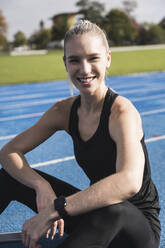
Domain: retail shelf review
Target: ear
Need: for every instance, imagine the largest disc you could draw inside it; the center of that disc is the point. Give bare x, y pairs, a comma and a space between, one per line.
108, 59
64, 59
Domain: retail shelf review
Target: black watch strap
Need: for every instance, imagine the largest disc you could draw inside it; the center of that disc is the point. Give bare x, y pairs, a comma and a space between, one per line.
59, 206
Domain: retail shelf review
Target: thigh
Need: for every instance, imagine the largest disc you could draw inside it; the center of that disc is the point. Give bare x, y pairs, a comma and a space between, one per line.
11, 189
136, 230
115, 226
4, 192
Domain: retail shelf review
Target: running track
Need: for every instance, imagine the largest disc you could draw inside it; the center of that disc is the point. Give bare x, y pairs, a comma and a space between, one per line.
22, 105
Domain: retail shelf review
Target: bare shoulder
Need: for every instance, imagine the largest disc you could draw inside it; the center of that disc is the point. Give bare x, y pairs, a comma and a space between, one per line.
55, 118
58, 115
122, 106
125, 118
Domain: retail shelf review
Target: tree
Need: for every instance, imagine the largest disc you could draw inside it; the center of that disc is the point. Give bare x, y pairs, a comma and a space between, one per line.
61, 24
129, 6
3, 41
42, 25
3, 24
162, 23
91, 10
142, 38
120, 29
156, 34
151, 34
19, 39
3, 31
40, 39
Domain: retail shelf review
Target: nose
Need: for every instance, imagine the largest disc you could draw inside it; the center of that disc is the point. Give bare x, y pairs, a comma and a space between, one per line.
85, 67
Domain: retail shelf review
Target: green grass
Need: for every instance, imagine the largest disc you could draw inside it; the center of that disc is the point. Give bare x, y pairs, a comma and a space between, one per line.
137, 61
38, 68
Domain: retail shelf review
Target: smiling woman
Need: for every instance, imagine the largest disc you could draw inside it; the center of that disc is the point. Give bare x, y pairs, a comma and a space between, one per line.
109, 145
85, 62
86, 57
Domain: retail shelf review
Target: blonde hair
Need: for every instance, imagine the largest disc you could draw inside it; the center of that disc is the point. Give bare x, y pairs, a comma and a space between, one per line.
82, 27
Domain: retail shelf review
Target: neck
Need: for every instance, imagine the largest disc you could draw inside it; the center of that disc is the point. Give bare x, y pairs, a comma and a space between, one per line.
93, 102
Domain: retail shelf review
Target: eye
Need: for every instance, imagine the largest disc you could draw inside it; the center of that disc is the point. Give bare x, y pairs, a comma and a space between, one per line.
73, 61
95, 58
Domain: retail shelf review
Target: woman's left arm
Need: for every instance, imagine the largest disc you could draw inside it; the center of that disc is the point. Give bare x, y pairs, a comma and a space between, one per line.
125, 129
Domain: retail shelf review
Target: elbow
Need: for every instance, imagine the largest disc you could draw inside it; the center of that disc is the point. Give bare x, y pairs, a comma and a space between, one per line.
1, 157
134, 185
3, 154
135, 188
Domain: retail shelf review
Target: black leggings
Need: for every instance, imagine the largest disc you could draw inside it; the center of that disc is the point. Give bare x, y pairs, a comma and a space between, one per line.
115, 226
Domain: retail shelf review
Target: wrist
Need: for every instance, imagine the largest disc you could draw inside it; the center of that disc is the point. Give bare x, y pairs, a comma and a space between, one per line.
60, 206
54, 215
41, 185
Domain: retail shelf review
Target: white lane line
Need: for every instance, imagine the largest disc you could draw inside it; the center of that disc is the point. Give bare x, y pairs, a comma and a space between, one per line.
33, 115
31, 96
138, 99
152, 139
33, 103
17, 117
155, 139
41, 102
141, 90
37, 95
53, 161
59, 160
6, 92
122, 85
53, 100
7, 137
30, 91
152, 112
73, 157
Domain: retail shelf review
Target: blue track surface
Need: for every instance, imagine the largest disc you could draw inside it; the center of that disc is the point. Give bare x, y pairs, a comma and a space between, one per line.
22, 105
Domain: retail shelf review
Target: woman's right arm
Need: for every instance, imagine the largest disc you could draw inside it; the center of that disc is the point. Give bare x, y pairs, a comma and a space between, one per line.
14, 162
12, 154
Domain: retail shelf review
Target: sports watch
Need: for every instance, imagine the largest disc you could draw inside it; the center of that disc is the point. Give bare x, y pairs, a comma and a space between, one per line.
59, 206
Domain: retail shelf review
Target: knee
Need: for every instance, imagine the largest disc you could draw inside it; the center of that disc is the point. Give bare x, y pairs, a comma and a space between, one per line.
108, 215
114, 211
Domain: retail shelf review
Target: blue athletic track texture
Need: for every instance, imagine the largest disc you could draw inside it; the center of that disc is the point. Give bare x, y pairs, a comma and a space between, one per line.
22, 105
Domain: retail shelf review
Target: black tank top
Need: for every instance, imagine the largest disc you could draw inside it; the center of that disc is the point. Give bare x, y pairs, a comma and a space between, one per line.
97, 157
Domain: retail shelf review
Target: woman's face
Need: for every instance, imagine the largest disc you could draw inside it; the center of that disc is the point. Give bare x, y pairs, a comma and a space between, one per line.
86, 60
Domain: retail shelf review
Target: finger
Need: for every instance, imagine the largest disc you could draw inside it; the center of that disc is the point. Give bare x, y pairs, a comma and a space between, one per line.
23, 237
23, 234
26, 240
38, 246
48, 233
32, 244
53, 230
61, 227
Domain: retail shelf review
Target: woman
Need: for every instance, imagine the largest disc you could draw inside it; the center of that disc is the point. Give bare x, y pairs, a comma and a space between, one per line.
120, 208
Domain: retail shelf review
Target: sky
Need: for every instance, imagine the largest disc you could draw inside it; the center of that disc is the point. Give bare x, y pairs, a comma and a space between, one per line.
25, 15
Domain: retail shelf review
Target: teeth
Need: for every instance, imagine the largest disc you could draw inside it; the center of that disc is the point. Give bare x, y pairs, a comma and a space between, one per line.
88, 79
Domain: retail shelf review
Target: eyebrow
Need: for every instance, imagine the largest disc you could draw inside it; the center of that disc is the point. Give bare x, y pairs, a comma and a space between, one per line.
76, 56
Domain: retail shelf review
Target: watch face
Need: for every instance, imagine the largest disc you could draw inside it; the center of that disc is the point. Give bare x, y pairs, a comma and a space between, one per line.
59, 206
60, 203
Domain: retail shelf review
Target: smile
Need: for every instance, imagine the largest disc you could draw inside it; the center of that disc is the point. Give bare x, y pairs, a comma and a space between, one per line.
86, 79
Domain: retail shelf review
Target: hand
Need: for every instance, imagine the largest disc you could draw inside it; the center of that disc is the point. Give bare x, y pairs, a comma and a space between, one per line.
52, 231
38, 225
46, 196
